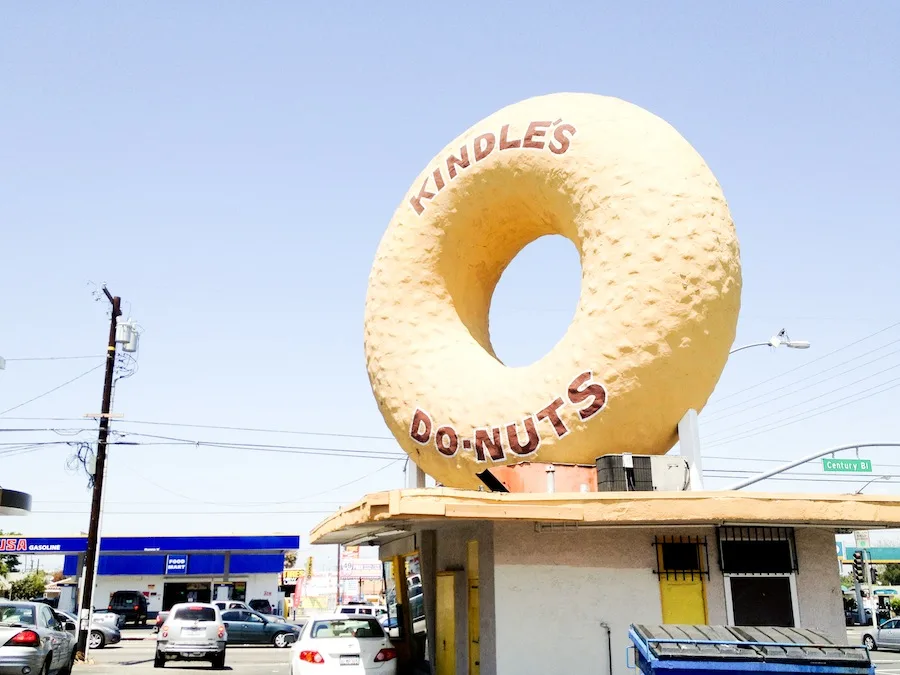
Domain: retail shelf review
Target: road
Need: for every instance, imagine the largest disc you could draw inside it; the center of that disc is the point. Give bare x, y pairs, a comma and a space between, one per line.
886, 663
135, 657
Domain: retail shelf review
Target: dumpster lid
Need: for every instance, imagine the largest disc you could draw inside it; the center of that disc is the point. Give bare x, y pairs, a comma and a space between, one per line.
747, 643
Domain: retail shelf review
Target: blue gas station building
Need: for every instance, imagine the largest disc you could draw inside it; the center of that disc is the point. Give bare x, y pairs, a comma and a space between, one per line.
167, 570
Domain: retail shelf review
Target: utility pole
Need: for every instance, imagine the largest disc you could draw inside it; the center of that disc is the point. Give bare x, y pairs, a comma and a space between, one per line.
93, 541
337, 597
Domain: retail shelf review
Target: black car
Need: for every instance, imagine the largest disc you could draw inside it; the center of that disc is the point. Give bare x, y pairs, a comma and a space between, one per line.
851, 617
130, 604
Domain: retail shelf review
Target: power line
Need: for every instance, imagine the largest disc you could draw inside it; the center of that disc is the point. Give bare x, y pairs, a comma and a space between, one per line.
217, 427
261, 430
767, 459
814, 398
809, 363
57, 358
56, 388
186, 513
850, 478
262, 447
716, 416
822, 410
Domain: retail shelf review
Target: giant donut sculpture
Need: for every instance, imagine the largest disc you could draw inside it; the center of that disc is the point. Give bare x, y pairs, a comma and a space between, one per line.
660, 290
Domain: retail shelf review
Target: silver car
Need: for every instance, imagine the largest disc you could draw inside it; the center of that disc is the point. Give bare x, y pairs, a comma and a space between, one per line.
101, 634
193, 631
34, 641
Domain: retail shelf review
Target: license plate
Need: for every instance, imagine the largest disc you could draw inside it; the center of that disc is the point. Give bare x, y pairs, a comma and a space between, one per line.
349, 661
192, 631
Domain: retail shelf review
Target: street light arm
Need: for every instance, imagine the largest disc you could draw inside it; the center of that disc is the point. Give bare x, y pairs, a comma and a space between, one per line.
755, 344
808, 458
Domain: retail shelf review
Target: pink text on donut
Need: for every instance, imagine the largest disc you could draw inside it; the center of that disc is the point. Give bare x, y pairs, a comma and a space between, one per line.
519, 438
533, 138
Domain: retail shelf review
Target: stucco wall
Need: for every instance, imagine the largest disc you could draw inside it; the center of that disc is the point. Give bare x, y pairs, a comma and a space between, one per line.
819, 584
570, 582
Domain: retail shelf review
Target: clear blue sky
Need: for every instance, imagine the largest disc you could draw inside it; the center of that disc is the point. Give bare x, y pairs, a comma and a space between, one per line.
229, 168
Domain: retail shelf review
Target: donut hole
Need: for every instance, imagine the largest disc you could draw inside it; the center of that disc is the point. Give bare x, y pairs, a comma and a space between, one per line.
535, 300
494, 215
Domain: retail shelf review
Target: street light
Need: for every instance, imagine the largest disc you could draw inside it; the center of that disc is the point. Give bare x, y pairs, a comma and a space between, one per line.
780, 340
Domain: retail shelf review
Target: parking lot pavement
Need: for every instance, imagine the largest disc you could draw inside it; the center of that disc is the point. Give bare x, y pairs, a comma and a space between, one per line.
135, 657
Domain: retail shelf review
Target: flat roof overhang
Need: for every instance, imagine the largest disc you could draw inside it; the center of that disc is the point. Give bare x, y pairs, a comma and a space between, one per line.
383, 516
14, 503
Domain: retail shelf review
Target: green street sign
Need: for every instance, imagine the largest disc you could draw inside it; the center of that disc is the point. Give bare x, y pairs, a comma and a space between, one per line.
849, 465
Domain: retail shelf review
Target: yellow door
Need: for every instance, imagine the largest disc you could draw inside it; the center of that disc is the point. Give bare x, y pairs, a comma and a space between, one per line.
445, 626
683, 600
474, 618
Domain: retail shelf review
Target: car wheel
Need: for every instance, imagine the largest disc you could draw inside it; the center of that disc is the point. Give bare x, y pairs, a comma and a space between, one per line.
96, 640
280, 640
869, 642
159, 661
218, 662
45, 669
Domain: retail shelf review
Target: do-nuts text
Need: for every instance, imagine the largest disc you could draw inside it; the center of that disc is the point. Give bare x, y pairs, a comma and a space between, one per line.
520, 438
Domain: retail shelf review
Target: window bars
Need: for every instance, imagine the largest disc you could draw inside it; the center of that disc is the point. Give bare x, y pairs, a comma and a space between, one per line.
681, 556
757, 550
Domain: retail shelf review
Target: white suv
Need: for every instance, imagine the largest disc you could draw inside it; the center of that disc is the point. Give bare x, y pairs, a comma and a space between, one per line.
192, 632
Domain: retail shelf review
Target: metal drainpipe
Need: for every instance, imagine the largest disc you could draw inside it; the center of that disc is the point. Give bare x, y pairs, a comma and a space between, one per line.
605, 625
551, 479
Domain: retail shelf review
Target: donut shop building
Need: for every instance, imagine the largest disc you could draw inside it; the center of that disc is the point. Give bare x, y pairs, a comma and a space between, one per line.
534, 583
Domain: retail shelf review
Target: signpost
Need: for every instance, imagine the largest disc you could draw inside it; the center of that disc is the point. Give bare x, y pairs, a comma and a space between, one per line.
847, 465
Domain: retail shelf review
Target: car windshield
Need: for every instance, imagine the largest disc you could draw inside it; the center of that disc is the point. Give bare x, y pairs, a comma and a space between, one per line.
195, 614
343, 628
15, 613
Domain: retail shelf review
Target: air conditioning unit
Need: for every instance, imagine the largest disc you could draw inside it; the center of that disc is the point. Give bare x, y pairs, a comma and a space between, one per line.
642, 473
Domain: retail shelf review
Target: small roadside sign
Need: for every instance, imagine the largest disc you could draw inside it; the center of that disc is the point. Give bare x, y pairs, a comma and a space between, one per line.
862, 538
848, 465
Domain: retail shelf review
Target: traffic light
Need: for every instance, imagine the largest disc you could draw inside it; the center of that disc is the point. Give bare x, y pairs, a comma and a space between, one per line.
858, 569
873, 574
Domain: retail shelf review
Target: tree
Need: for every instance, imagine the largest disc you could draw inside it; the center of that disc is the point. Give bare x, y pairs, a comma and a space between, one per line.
9, 563
29, 586
895, 606
890, 576
290, 559
58, 576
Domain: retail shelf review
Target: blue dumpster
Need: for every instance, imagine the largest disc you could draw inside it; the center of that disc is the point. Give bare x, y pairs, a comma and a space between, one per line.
734, 650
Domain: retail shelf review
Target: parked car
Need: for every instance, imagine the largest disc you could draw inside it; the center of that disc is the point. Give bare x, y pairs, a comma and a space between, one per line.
34, 640
340, 643
886, 636
160, 620
262, 606
360, 608
130, 604
249, 627
101, 634
851, 617
225, 605
192, 632
105, 616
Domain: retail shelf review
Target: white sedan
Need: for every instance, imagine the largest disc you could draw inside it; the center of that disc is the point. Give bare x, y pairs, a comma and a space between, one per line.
345, 644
